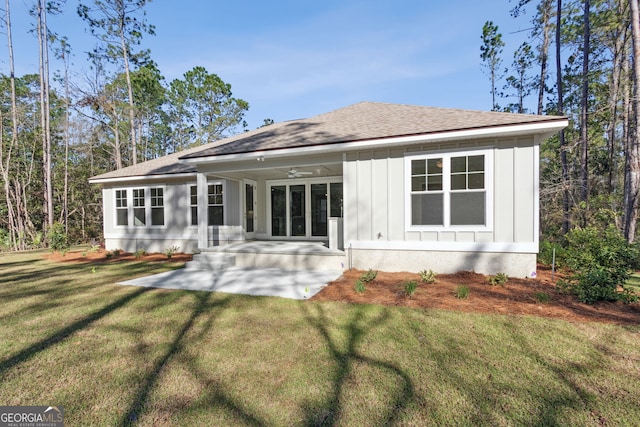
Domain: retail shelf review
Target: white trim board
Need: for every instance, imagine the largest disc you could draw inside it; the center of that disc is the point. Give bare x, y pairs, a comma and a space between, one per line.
530, 247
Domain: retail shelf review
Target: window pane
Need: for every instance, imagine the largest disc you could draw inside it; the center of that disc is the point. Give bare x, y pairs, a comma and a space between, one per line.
216, 215
122, 217
427, 209
435, 183
468, 208
459, 182
138, 216
418, 183
434, 166
476, 181
193, 191
458, 164
157, 216
417, 167
319, 209
279, 210
297, 210
476, 163
336, 199
138, 197
194, 215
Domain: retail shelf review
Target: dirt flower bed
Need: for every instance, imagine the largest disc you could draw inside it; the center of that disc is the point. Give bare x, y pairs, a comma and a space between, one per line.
537, 297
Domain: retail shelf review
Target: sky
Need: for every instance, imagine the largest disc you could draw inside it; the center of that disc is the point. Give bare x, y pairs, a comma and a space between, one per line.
296, 59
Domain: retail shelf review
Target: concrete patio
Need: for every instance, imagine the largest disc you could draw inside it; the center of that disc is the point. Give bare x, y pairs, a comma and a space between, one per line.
277, 282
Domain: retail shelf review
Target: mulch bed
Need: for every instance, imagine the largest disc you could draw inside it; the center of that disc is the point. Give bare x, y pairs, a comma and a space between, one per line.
517, 296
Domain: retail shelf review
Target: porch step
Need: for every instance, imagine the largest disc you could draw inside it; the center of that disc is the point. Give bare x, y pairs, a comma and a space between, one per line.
211, 261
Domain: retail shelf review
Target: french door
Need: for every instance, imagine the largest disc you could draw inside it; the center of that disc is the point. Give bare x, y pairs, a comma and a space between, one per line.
250, 201
301, 208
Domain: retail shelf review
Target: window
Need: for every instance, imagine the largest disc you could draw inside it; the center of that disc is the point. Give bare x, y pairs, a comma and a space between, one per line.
122, 212
193, 202
139, 214
215, 204
448, 190
157, 206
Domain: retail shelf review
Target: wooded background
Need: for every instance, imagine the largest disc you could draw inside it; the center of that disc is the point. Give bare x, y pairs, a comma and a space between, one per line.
58, 128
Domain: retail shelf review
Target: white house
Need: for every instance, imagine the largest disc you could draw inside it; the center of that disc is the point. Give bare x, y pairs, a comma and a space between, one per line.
385, 186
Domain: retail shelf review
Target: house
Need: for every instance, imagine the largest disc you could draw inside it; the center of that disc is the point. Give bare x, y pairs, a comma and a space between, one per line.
384, 186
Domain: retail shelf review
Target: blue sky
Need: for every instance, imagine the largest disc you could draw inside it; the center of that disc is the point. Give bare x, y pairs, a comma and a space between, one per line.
295, 59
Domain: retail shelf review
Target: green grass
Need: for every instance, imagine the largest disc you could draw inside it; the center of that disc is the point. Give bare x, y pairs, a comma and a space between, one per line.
114, 355
634, 283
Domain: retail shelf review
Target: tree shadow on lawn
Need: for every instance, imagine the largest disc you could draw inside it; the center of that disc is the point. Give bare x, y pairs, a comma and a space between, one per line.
64, 333
329, 411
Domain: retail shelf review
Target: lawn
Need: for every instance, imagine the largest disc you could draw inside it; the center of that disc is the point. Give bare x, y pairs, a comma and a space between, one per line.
114, 355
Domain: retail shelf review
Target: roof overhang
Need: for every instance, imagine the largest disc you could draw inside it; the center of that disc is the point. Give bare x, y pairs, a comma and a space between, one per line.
542, 129
139, 178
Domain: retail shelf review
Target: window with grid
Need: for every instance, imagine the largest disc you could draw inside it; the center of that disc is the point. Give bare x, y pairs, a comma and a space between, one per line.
193, 203
157, 206
215, 204
139, 213
122, 211
447, 190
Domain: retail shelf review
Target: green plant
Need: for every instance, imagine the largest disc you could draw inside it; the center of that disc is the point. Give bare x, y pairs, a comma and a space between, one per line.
110, 255
498, 280
410, 288
359, 286
600, 261
94, 248
462, 292
542, 297
84, 254
369, 276
117, 252
58, 237
428, 276
170, 251
139, 253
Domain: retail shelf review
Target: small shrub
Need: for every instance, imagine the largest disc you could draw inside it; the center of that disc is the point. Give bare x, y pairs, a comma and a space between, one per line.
627, 296
84, 254
139, 253
428, 276
170, 251
94, 248
117, 252
57, 237
369, 276
498, 280
462, 292
110, 255
410, 288
360, 287
542, 297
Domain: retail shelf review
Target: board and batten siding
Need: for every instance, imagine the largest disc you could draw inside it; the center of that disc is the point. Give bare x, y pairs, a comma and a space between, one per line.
376, 197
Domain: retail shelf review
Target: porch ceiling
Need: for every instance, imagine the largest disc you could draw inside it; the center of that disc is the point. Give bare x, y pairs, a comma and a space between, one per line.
303, 172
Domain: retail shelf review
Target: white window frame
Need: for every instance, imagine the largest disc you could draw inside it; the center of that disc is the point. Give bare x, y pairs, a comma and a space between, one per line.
125, 208
147, 206
446, 189
191, 206
224, 203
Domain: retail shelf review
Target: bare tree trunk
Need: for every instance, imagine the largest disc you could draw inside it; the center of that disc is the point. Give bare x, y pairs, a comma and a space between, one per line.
584, 129
544, 50
5, 157
633, 155
614, 97
127, 73
44, 110
65, 58
563, 153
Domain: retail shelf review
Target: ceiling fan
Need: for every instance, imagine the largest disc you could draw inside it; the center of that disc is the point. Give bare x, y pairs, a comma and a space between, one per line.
294, 173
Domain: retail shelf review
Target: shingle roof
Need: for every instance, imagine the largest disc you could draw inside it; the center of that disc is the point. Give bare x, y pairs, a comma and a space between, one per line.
363, 121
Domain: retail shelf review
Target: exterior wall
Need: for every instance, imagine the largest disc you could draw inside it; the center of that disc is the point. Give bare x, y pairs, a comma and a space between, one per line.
375, 220
177, 229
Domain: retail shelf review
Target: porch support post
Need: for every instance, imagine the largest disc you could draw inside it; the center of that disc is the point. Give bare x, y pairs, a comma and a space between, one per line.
203, 238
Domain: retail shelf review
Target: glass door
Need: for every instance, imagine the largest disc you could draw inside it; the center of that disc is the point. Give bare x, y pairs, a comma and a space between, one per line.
298, 210
318, 209
279, 210
249, 208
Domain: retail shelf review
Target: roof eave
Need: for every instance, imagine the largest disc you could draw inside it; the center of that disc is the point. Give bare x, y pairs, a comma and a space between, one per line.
546, 129
136, 178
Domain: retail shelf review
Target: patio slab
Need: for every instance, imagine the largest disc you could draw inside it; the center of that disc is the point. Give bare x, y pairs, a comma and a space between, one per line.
276, 282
